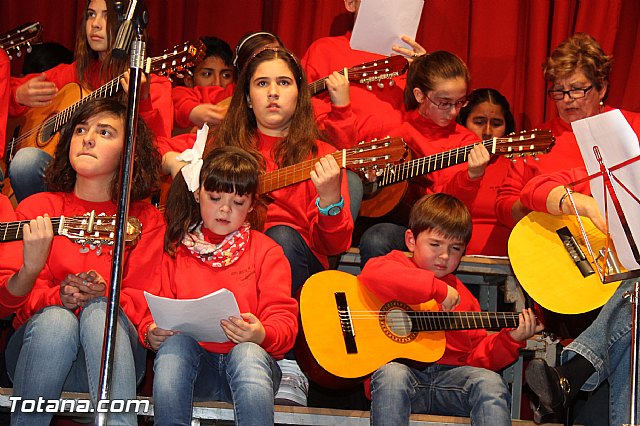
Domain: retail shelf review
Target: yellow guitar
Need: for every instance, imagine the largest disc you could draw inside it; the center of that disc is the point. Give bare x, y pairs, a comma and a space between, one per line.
550, 259
345, 331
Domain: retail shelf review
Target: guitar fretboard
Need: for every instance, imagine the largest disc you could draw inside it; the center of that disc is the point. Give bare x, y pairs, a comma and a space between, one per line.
433, 321
12, 231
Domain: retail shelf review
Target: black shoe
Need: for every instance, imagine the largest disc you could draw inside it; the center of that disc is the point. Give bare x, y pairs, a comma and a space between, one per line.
549, 385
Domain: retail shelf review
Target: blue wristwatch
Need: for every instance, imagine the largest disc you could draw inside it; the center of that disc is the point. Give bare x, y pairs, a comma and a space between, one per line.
332, 209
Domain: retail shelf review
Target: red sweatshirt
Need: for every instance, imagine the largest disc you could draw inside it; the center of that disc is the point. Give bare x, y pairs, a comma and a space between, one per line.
260, 281
565, 154
535, 193
5, 92
140, 270
295, 206
156, 110
397, 277
185, 99
10, 261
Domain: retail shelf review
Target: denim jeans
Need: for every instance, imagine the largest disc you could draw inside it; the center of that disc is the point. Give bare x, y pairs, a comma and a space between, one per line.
398, 390
184, 372
301, 258
55, 351
26, 172
356, 192
606, 343
380, 239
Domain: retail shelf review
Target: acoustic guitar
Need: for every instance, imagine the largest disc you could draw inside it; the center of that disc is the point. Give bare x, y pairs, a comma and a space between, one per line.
39, 127
19, 39
372, 155
91, 230
550, 258
346, 333
368, 72
381, 200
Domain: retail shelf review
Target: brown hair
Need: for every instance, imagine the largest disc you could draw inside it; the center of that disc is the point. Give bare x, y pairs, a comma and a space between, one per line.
85, 55
60, 176
580, 52
228, 169
239, 128
426, 70
442, 213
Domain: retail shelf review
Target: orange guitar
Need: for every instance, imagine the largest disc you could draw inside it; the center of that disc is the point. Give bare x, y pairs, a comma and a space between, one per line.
20, 38
369, 72
347, 333
383, 200
39, 127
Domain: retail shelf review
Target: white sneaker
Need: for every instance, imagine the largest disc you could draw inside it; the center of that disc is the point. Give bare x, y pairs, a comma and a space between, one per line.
294, 385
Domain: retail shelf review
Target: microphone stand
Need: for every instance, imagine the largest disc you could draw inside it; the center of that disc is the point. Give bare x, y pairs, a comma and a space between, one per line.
633, 296
136, 64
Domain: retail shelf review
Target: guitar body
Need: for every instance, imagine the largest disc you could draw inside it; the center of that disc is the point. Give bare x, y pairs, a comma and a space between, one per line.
31, 131
383, 201
321, 350
548, 274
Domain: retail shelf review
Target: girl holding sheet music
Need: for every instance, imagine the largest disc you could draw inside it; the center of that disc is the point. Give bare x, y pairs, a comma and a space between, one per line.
60, 327
209, 245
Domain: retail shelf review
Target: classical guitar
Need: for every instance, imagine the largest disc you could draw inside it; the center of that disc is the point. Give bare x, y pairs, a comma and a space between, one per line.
90, 230
550, 258
346, 333
20, 39
369, 72
41, 125
372, 155
382, 200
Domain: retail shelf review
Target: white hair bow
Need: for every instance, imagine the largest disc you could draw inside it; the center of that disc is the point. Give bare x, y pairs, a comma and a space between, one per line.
193, 156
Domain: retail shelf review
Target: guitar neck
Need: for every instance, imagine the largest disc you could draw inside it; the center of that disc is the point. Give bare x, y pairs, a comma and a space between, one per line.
290, 175
434, 321
12, 231
422, 166
318, 86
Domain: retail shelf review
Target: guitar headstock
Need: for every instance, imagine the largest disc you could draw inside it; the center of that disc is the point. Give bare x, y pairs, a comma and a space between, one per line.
528, 142
379, 70
95, 231
376, 154
20, 38
178, 60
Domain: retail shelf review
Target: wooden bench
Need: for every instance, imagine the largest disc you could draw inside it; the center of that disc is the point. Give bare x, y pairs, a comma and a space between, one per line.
223, 412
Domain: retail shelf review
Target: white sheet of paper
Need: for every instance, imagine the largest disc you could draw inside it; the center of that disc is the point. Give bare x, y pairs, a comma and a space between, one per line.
199, 318
617, 142
380, 24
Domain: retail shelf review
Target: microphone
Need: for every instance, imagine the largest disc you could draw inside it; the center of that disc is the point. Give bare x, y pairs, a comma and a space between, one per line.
125, 32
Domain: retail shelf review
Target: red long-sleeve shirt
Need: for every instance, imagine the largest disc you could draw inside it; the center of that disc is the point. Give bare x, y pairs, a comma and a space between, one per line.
185, 99
260, 280
10, 262
5, 92
141, 267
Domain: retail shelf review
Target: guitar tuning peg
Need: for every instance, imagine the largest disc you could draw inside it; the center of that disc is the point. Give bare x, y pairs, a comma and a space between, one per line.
381, 85
369, 88
99, 251
84, 249
92, 246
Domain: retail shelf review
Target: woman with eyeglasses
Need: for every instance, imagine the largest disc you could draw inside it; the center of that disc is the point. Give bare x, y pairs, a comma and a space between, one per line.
578, 75
436, 91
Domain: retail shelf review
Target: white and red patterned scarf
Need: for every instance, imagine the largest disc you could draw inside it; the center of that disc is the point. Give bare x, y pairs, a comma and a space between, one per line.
219, 255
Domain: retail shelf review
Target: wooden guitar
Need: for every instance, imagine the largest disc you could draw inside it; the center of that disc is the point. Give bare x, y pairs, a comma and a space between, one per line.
40, 126
90, 230
365, 156
20, 38
382, 200
550, 259
369, 72
347, 333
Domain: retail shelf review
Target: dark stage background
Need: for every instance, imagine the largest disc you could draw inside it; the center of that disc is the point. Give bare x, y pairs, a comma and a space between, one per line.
504, 42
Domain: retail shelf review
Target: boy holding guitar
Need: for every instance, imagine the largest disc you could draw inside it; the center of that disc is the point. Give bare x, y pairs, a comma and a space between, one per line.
461, 382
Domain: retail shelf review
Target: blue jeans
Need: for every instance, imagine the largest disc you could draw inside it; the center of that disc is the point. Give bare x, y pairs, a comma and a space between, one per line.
606, 343
55, 351
26, 172
398, 390
301, 258
381, 239
356, 192
184, 372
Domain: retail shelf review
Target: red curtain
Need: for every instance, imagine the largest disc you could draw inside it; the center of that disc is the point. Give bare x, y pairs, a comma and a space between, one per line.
504, 42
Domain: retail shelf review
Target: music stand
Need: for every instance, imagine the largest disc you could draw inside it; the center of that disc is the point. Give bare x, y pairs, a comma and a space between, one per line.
614, 183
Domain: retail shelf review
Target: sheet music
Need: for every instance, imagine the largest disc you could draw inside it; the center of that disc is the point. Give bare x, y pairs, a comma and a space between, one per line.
617, 142
380, 24
199, 318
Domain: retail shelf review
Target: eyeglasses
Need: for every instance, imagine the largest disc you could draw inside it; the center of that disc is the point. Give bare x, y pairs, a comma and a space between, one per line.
460, 103
558, 95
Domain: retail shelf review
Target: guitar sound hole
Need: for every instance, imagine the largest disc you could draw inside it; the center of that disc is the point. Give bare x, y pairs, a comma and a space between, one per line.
398, 322
395, 322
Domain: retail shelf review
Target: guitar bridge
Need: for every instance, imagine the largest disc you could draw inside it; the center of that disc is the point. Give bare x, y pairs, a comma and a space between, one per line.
577, 255
348, 333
